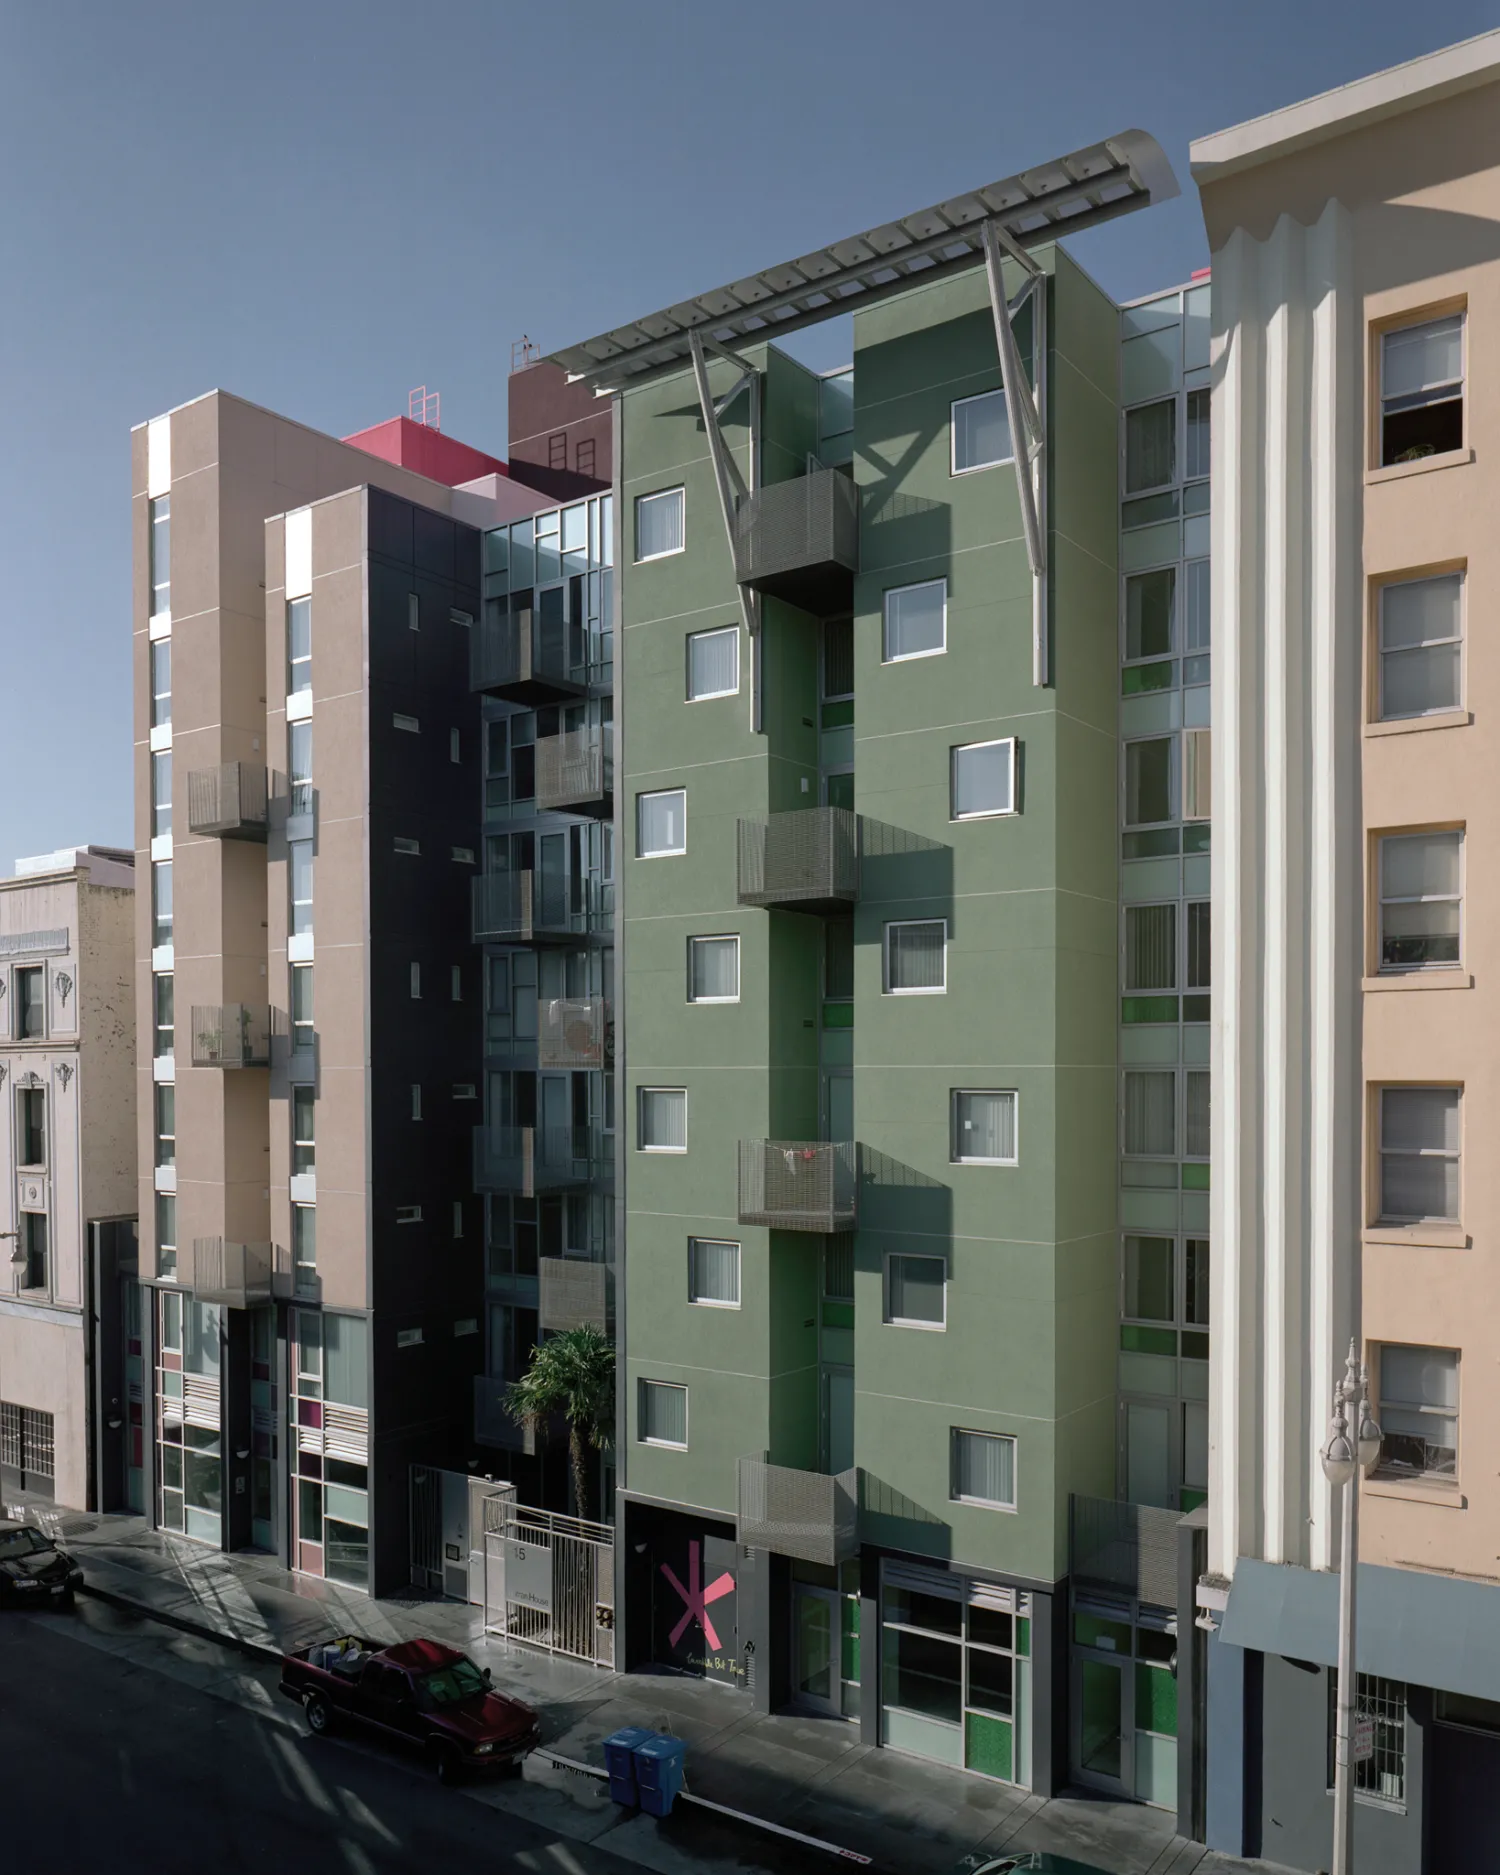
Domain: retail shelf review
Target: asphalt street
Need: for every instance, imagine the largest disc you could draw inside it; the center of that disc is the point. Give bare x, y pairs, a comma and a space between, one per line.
125, 1747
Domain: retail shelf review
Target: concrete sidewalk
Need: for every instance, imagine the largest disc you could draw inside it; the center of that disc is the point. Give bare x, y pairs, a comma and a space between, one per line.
805, 1773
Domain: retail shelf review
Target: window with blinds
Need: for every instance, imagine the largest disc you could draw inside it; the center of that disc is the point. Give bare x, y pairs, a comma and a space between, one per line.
984, 1127
983, 1469
1151, 1113
713, 1273
1151, 947
663, 1119
1421, 646
713, 970
1419, 1154
661, 1414
916, 958
713, 663
915, 1290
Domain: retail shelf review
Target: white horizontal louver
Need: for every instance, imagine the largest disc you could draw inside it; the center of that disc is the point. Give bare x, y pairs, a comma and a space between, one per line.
200, 1401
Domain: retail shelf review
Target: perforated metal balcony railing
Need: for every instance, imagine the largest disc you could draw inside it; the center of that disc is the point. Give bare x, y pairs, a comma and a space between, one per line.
229, 800
798, 1184
575, 770
573, 1293
526, 658
809, 1515
537, 908
799, 541
575, 1032
805, 860
525, 1160
231, 1035
1129, 1547
235, 1274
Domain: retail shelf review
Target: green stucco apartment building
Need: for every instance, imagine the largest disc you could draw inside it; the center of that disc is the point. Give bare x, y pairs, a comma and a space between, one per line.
870, 779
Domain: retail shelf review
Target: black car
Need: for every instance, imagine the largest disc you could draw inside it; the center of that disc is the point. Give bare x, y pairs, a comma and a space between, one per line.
34, 1572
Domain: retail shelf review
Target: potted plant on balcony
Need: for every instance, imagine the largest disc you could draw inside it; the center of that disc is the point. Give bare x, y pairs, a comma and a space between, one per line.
572, 1376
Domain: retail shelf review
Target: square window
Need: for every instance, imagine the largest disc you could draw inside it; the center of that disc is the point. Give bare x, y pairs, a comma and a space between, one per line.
661, 1412
916, 621
713, 1273
1420, 1134
1150, 768
1418, 1412
981, 432
983, 1469
662, 1115
984, 1127
1421, 901
916, 1291
984, 779
1151, 1113
1421, 647
916, 958
661, 823
1422, 390
1151, 446
713, 970
659, 524
713, 664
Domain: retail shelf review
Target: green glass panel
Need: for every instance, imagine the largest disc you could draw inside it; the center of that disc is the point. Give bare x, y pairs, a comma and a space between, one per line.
1194, 1347
1195, 1008
838, 715
1099, 1631
1190, 1500
1023, 1635
1195, 837
1155, 843
1148, 1008
1099, 1718
1152, 508
838, 1015
1155, 1700
989, 1745
1139, 679
1137, 1340
1195, 1178
838, 1314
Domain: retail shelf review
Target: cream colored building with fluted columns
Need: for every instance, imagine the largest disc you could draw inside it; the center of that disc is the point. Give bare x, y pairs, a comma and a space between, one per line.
1356, 855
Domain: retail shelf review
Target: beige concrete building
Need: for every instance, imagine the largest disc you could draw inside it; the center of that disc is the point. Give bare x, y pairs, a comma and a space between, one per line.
1356, 716
67, 1173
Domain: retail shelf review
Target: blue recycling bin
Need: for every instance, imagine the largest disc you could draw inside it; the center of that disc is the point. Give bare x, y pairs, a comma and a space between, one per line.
659, 1766
620, 1762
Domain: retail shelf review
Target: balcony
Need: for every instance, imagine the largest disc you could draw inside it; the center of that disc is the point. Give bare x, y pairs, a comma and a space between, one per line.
798, 1184
1125, 1547
573, 1293
575, 1032
799, 541
806, 860
231, 1035
238, 1275
493, 1425
576, 770
805, 1514
229, 800
525, 1160
526, 658
537, 908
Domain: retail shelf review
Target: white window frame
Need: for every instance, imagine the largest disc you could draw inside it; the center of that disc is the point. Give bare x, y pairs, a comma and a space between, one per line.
888, 1315
895, 592
714, 937
1402, 326
981, 813
640, 1116
954, 1096
976, 468
1427, 898
660, 494
1460, 638
713, 1302
955, 1433
716, 631
669, 1445
1401, 1222
660, 852
905, 924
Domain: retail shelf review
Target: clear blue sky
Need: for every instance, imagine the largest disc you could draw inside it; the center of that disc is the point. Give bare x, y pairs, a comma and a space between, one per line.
319, 205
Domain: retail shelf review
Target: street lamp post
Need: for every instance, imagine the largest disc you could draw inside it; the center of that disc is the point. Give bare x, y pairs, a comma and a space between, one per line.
1345, 1455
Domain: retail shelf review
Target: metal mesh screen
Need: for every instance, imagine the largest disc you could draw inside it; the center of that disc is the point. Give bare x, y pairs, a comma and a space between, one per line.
809, 856
806, 1514
572, 1293
575, 1032
809, 522
236, 1274
231, 1035
573, 767
797, 1184
228, 799
1126, 1546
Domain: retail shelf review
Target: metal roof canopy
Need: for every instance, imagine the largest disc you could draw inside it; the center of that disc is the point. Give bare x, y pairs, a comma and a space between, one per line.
1072, 192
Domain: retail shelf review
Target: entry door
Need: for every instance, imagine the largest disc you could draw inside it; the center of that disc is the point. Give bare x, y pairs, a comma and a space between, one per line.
815, 1667
1103, 1730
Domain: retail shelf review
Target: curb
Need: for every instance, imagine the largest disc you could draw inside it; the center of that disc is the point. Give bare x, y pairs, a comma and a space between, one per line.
254, 1650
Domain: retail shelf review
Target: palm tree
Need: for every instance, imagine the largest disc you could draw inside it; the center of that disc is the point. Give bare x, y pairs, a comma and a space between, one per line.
572, 1373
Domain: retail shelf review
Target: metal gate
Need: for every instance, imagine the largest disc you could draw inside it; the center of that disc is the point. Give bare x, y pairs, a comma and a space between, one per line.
447, 1542
549, 1580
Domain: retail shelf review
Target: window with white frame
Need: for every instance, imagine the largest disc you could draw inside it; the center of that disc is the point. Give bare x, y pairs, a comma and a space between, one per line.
1421, 900
1151, 1113
981, 432
982, 1469
916, 957
1150, 947
659, 524
662, 1119
298, 645
661, 823
161, 902
984, 1126
916, 621
983, 779
160, 658
1418, 1411
915, 1291
713, 970
161, 793
161, 555
713, 1272
1422, 390
1383, 1703
1420, 1134
662, 1414
1421, 630
300, 883
713, 663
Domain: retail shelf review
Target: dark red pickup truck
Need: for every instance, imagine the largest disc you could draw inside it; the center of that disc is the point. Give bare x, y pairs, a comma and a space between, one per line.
420, 1693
